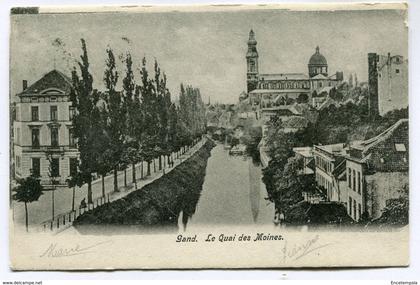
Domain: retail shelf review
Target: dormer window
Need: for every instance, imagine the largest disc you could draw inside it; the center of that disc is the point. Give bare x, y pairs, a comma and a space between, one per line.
400, 147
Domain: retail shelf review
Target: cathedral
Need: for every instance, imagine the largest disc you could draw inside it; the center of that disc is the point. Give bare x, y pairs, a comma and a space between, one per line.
267, 90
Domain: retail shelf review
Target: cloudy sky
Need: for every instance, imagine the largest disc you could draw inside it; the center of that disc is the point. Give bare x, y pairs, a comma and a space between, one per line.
205, 49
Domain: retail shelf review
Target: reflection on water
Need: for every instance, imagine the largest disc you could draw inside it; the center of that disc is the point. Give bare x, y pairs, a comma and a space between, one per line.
233, 194
254, 189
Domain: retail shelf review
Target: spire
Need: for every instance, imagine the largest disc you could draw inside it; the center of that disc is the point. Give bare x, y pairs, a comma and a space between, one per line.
251, 35
251, 40
317, 49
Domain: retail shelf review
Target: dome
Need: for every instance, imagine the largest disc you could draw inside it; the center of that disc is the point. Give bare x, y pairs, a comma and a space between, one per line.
317, 58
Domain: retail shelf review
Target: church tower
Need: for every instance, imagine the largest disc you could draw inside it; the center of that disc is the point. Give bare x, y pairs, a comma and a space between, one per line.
252, 63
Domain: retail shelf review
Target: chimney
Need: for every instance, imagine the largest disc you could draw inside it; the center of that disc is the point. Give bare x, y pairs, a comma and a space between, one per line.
24, 85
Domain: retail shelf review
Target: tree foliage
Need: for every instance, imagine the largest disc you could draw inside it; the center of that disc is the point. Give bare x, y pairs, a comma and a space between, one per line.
28, 190
139, 123
334, 125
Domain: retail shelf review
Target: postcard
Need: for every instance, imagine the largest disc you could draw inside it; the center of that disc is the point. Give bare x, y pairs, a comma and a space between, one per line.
219, 136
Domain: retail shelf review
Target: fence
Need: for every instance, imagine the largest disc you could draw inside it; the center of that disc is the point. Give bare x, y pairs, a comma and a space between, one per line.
65, 220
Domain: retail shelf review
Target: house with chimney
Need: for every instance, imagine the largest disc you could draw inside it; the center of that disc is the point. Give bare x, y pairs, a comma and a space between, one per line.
43, 143
376, 171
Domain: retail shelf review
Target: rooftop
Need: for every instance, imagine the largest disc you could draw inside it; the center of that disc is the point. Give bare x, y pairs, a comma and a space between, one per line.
54, 80
334, 149
366, 145
317, 58
388, 151
319, 76
295, 122
305, 151
288, 108
274, 91
284, 76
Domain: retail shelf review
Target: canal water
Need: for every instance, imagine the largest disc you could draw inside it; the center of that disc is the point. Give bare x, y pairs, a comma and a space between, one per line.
233, 194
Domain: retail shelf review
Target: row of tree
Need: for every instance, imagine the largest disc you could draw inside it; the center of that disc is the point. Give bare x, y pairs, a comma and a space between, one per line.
115, 129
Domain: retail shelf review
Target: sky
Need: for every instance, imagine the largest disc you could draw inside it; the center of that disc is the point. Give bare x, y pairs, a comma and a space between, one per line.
204, 49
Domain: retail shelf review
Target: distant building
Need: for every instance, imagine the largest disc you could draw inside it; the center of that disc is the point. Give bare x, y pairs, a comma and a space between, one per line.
43, 141
267, 90
305, 154
388, 83
292, 121
329, 165
376, 170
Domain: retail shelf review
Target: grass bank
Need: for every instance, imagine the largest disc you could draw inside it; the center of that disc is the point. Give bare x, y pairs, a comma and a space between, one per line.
158, 203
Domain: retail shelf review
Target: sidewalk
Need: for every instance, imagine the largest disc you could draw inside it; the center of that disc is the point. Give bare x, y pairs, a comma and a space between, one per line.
41, 210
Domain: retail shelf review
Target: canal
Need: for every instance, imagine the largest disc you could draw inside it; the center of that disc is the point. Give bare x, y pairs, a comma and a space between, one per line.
233, 194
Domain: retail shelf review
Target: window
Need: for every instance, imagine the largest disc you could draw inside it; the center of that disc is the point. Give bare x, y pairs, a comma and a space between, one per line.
35, 113
35, 138
36, 167
400, 147
17, 161
360, 211
354, 180
350, 205
54, 113
71, 112
358, 182
17, 113
349, 177
54, 136
55, 167
355, 210
18, 136
397, 70
72, 140
73, 166
252, 66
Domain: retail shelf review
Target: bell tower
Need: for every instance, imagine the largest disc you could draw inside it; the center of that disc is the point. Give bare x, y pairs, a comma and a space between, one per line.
252, 63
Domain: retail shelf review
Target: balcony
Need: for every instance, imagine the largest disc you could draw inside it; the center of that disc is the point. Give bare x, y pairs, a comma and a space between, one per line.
49, 148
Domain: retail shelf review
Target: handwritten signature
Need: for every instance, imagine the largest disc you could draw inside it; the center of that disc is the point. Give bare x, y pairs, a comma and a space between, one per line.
54, 250
300, 250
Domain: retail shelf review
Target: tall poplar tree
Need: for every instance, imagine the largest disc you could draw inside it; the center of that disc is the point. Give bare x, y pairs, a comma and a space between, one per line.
148, 135
116, 118
132, 119
83, 129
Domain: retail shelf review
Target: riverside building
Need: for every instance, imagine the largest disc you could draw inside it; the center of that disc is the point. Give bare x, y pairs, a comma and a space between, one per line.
43, 141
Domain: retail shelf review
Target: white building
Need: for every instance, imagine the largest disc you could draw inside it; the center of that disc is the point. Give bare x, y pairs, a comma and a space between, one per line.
43, 141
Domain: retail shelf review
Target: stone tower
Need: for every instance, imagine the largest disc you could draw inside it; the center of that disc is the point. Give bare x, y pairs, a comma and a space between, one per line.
252, 63
373, 84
